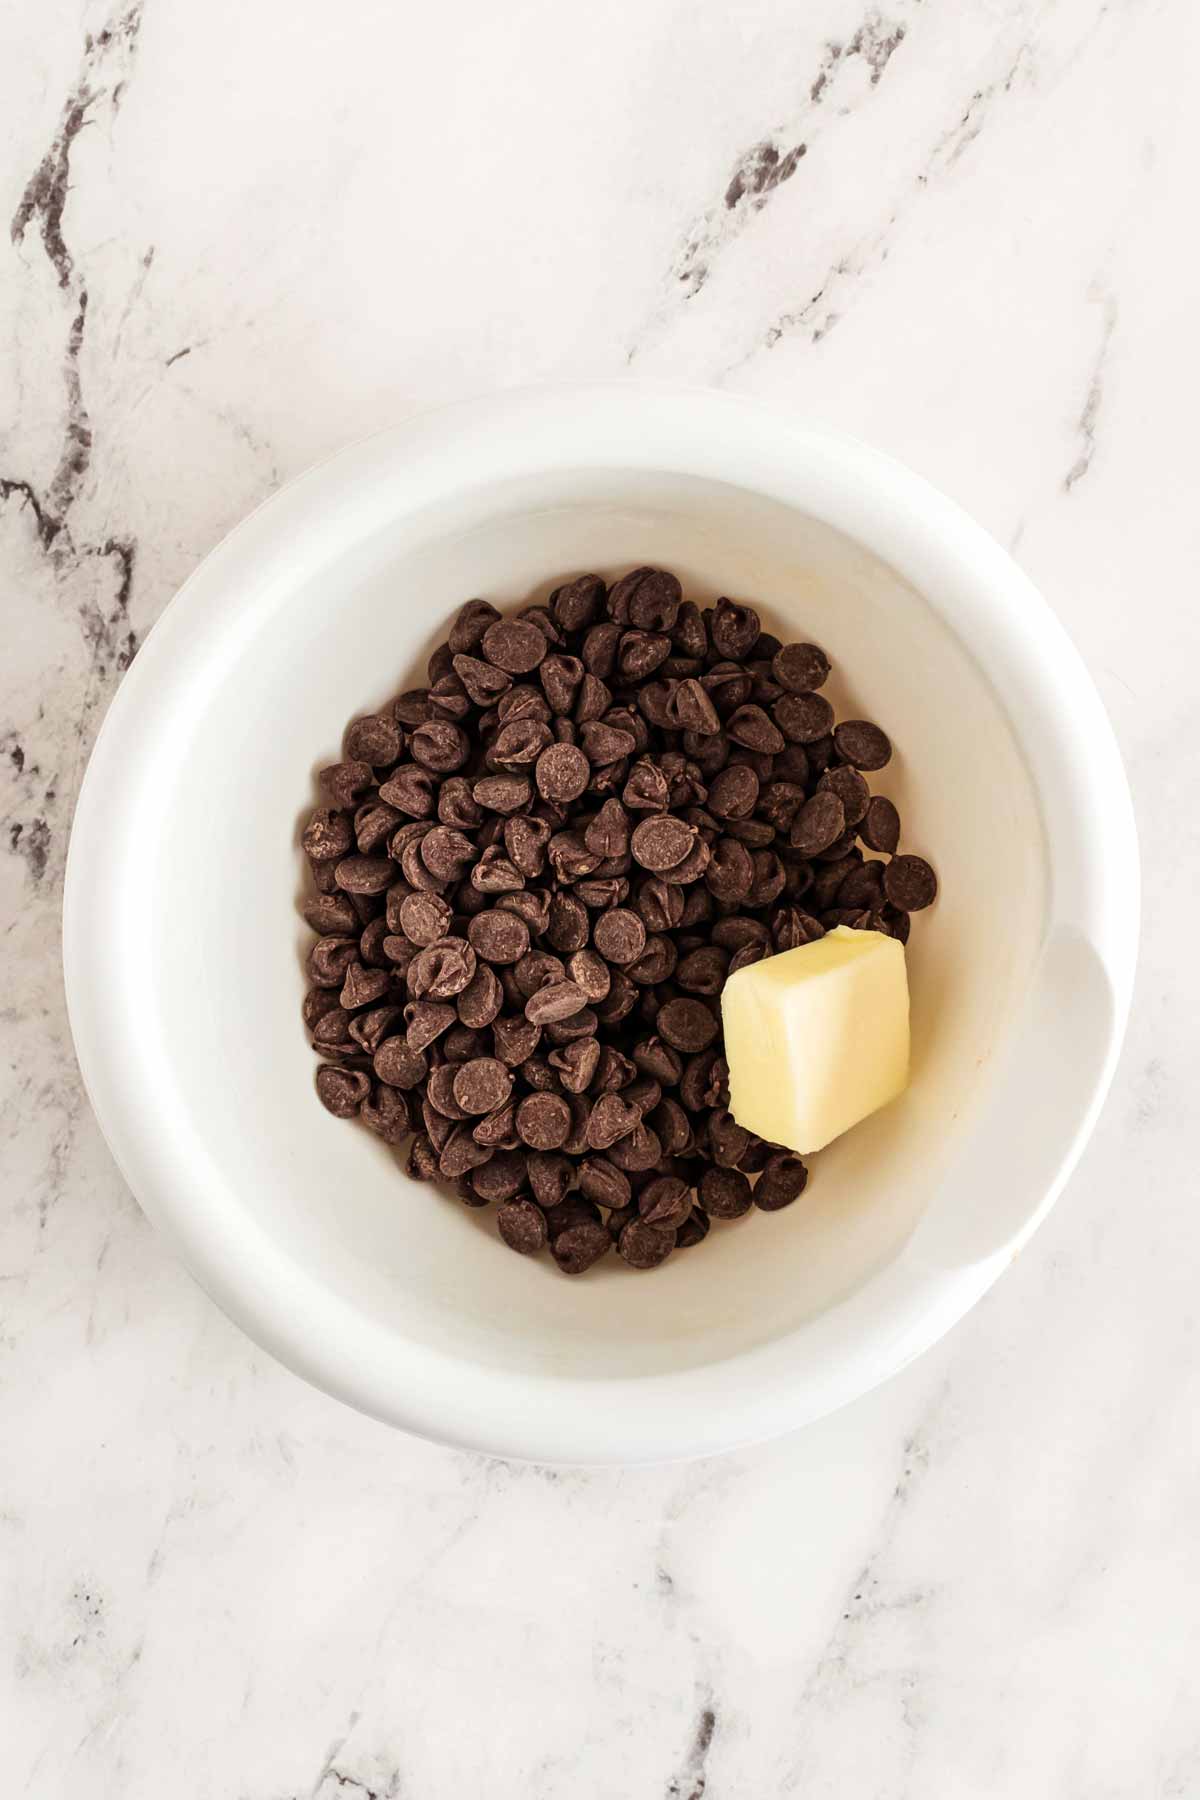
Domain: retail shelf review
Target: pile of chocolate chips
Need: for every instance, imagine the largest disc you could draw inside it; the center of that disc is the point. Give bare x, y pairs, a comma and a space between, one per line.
534, 877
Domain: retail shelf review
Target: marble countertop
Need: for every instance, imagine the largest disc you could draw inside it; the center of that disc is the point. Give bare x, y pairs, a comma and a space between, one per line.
242, 235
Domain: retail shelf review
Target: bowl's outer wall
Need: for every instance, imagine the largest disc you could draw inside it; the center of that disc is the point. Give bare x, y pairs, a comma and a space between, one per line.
184, 1005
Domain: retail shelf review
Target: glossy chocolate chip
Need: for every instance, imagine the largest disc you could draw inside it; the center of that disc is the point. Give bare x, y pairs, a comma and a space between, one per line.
909, 883
862, 744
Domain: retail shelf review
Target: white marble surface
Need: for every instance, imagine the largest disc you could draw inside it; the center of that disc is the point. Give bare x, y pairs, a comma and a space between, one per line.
243, 234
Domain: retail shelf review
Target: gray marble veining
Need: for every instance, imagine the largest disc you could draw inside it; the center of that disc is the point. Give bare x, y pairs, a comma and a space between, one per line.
240, 236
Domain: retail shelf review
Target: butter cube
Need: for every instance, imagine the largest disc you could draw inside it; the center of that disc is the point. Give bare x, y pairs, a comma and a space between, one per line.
817, 1038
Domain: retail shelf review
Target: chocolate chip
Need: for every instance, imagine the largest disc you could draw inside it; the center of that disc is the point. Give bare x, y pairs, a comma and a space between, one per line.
725, 1193
342, 1091
800, 667
331, 914
329, 959
515, 645
620, 935
562, 773
482, 1085
862, 744
667, 1201
345, 781
365, 874
691, 868
557, 1000
576, 603
850, 789
604, 743
640, 653
688, 1024
470, 622
503, 793
657, 962
783, 1180
363, 986
694, 1230
648, 598
688, 707
427, 1020
388, 1115
703, 971
495, 873
591, 973
374, 739
328, 835
440, 747
543, 1121
909, 883
576, 1249
522, 1226
862, 887
734, 793
644, 1246
602, 1182
515, 1040
611, 1119
790, 928
410, 790
671, 1127
499, 936
439, 1091
661, 842
730, 873
803, 718
818, 824
896, 923
750, 726
461, 1152
447, 853
734, 630
441, 970
576, 1063
880, 829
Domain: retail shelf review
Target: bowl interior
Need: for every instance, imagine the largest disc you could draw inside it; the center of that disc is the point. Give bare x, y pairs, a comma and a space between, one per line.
339, 630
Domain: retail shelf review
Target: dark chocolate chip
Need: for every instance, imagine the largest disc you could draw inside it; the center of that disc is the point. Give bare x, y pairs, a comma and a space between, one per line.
499, 936
800, 667
661, 842
562, 773
880, 829
557, 1000
751, 726
543, 1121
522, 1226
620, 935
862, 744
783, 1180
803, 718
342, 1091
441, 970
725, 1193
644, 1246
909, 883
577, 1248
818, 824
689, 1025
515, 645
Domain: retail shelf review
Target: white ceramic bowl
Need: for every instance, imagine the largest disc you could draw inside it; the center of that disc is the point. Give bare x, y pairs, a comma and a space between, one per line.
182, 943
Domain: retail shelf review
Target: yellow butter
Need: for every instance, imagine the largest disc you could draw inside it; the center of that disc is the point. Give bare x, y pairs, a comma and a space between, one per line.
817, 1038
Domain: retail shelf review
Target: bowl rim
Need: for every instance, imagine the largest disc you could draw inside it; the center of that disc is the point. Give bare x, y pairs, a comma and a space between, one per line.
1004, 622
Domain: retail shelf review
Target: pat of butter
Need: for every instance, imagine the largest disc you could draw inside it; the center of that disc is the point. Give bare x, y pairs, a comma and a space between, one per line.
816, 1039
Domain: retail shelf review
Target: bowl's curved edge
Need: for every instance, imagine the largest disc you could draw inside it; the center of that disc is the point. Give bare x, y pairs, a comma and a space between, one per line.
900, 1313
